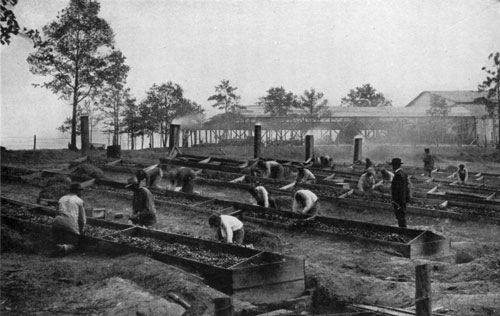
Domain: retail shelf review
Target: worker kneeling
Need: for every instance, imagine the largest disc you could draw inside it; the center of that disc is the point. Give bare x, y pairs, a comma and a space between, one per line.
151, 176
229, 228
143, 205
70, 221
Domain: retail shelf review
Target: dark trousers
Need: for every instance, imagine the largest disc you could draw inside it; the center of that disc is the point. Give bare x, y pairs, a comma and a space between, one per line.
238, 235
400, 213
314, 210
277, 172
188, 187
64, 237
143, 219
272, 203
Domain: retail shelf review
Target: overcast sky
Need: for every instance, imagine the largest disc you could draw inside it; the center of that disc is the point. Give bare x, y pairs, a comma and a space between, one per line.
400, 47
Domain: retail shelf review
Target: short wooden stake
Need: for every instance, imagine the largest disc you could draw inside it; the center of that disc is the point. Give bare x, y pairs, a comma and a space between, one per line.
309, 147
223, 306
423, 303
34, 142
256, 140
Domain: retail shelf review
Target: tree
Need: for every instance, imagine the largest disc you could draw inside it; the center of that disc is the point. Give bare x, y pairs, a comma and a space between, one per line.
74, 55
492, 85
278, 102
365, 96
163, 101
9, 25
114, 95
435, 128
225, 98
311, 102
95, 117
131, 120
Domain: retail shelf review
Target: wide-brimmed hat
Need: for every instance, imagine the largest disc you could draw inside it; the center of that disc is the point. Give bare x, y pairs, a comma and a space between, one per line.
131, 182
396, 161
75, 187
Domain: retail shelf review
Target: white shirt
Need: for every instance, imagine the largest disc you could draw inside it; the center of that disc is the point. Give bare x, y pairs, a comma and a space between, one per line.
310, 198
228, 225
71, 213
263, 195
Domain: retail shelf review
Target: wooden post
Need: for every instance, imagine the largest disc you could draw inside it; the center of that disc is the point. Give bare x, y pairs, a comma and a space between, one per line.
309, 146
84, 126
223, 306
256, 141
34, 142
358, 148
423, 305
173, 140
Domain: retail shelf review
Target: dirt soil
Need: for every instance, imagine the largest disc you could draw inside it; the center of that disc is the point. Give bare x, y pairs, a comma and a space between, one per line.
340, 272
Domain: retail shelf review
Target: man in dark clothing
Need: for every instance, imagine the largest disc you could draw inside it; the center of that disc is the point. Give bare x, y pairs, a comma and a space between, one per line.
151, 175
143, 205
428, 162
182, 177
400, 192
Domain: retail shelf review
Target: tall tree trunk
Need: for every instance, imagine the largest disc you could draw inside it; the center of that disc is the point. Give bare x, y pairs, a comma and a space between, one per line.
73, 119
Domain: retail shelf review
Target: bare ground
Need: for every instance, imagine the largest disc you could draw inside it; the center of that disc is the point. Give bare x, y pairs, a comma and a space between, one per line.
467, 283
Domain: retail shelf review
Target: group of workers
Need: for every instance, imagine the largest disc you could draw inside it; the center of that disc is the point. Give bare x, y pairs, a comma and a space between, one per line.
461, 174
69, 223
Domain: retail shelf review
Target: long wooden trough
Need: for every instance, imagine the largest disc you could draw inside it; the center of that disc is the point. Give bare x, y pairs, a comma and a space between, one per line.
249, 274
410, 243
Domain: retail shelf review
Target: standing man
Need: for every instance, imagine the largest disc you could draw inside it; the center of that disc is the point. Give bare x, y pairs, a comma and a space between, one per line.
70, 221
428, 162
400, 190
305, 202
152, 176
229, 228
143, 205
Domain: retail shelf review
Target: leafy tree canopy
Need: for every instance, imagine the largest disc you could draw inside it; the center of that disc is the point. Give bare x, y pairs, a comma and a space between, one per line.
313, 104
225, 97
278, 102
438, 106
9, 25
492, 85
365, 96
74, 54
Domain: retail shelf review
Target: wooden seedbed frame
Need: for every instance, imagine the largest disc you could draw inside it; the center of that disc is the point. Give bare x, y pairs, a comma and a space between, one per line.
423, 244
261, 277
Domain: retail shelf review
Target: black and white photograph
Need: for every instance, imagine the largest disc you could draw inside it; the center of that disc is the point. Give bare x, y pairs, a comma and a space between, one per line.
250, 158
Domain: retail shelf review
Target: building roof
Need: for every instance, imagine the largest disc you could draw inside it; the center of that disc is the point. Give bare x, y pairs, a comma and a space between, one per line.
457, 97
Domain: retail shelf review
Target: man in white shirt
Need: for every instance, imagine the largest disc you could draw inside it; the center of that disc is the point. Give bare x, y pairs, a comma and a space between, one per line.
229, 228
261, 196
70, 221
271, 169
305, 202
305, 176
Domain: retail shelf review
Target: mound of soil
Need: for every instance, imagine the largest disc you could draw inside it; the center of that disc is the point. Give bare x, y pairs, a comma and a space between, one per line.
88, 170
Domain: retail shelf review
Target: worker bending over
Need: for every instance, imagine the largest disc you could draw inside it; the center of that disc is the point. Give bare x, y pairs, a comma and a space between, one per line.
366, 182
151, 176
181, 177
229, 228
305, 176
70, 221
261, 196
271, 169
305, 202
143, 205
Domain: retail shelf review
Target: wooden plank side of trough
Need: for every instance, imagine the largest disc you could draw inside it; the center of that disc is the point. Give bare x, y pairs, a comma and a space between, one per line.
123, 169
429, 244
271, 293
200, 165
284, 270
